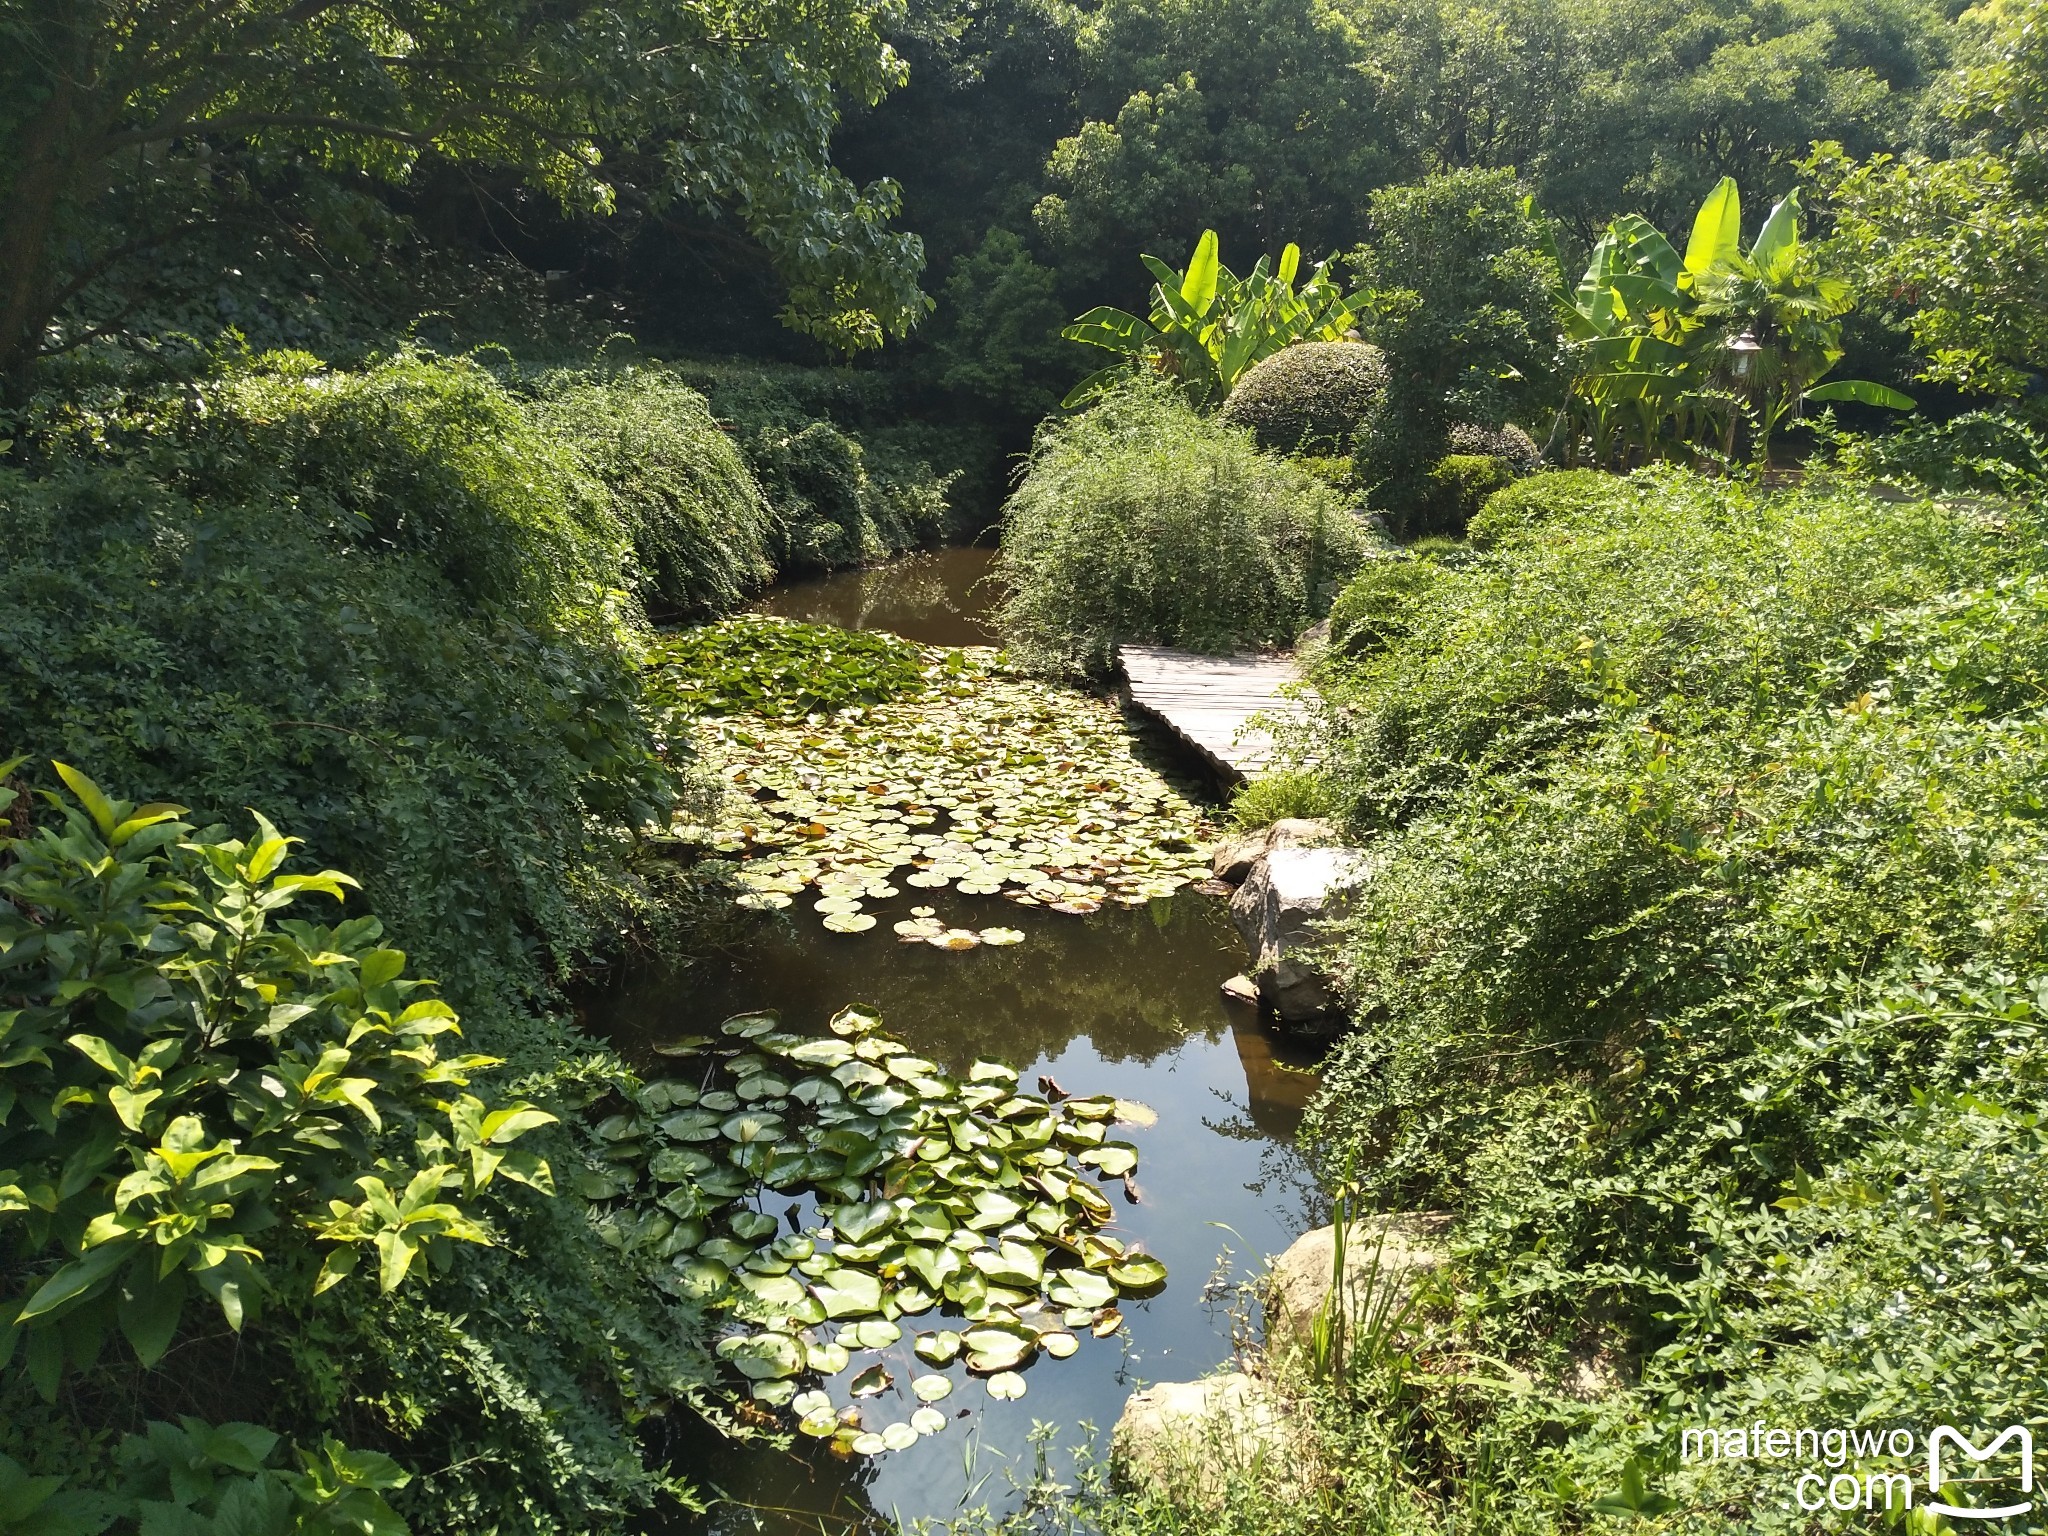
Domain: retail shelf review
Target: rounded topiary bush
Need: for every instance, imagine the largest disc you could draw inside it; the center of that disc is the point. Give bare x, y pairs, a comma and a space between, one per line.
1315, 396
1508, 443
1521, 506
1452, 493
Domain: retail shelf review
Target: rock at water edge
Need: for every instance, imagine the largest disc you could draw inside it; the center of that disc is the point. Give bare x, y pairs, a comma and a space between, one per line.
1384, 1258
1290, 891
1186, 1440
1233, 858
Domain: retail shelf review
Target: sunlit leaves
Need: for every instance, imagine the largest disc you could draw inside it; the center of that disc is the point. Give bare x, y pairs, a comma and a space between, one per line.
960, 1197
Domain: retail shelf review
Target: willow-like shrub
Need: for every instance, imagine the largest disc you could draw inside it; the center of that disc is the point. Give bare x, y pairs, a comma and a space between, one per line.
1141, 520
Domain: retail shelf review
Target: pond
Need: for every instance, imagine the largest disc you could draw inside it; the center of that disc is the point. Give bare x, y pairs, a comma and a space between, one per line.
1122, 1001
935, 597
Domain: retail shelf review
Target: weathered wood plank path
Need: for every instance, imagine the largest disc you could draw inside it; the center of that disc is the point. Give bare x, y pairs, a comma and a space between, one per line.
1207, 700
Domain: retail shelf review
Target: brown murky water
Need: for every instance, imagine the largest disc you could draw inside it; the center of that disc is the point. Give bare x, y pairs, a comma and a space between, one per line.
937, 597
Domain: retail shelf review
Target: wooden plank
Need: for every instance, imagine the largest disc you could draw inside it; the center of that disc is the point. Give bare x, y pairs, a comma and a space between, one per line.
1207, 700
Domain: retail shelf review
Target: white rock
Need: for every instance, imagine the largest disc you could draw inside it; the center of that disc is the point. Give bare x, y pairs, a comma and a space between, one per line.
1384, 1257
1288, 892
1233, 858
1186, 1439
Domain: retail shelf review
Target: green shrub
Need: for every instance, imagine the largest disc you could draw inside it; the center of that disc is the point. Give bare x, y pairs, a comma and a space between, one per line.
702, 534
1312, 397
1280, 794
1453, 491
847, 481
1141, 520
1509, 443
1684, 939
237, 1140
1371, 613
1557, 493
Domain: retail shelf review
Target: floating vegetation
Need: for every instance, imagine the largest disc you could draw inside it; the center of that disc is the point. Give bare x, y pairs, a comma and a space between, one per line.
973, 1203
758, 665
981, 781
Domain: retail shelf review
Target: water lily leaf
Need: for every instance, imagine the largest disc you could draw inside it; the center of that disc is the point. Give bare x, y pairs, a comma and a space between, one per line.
876, 1333
991, 1072
820, 1053
687, 1045
849, 1293
1081, 1288
751, 1225
869, 1445
859, 1223
678, 1165
855, 1020
762, 1085
814, 1401
937, 1348
1014, 1264
749, 1026
899, 1437
753, 1125
933, 1388
993, 1208
1131, 1112
1000, 936
1059, 1344
854, 1074
721, 1101
727, 1251
874, 1379
691, 1125
849, 922
762, 1356
1098, 1107
997, 1348
827, 1359
773, 1393
1006, 1386
1140, 1272
927, 1421
702, 1279
1115, 1158
1108, 1323
927, 1221
819, 1426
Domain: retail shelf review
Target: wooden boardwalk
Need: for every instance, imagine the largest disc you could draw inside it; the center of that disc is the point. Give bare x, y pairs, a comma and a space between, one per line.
1207, 700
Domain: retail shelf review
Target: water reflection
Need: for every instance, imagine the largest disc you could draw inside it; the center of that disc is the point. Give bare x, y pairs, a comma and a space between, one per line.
1125, 1001
939, 597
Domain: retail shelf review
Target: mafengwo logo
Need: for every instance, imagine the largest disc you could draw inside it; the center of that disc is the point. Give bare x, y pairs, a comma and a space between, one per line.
1944, 1474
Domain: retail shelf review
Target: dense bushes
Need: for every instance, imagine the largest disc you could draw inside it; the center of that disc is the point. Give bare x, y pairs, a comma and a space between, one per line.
389, 609
1516, 508
1141, 520
1451, 493
1371, 612
701, 532
1698, 955
1315, 396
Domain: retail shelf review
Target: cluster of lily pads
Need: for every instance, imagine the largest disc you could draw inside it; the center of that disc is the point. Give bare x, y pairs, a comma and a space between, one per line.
982, 781
972, 1202
759, 665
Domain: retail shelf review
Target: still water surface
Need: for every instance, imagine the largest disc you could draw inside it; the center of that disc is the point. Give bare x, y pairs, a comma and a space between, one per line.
1123, 1001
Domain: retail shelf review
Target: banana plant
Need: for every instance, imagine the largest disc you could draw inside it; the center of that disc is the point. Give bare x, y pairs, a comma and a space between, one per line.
1207, 326
1671, 351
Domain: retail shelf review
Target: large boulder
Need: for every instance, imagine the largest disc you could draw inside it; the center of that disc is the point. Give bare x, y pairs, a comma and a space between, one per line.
1384, 1258
1186, 1440
1288, 891
1234, 857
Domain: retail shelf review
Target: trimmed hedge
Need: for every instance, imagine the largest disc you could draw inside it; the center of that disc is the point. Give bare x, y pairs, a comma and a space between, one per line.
1312, 397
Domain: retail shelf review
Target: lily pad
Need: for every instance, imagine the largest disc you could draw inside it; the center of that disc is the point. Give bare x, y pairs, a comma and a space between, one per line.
932, 1388
1138, 1273
1006, 1386
875, 1379
898, 1437
941, 1348
927, 1421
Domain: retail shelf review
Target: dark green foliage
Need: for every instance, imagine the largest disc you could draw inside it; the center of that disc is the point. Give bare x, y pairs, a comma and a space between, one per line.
701, 532
1688, 923
1987, 451
1559, 493
1465, 314
1453, 491
846, 481
1313, 397
1142, 520
766, 666
1371, 613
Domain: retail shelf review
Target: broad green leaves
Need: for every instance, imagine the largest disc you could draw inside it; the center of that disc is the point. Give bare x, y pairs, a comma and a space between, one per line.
193, 1088
1208, 326
961, 1200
